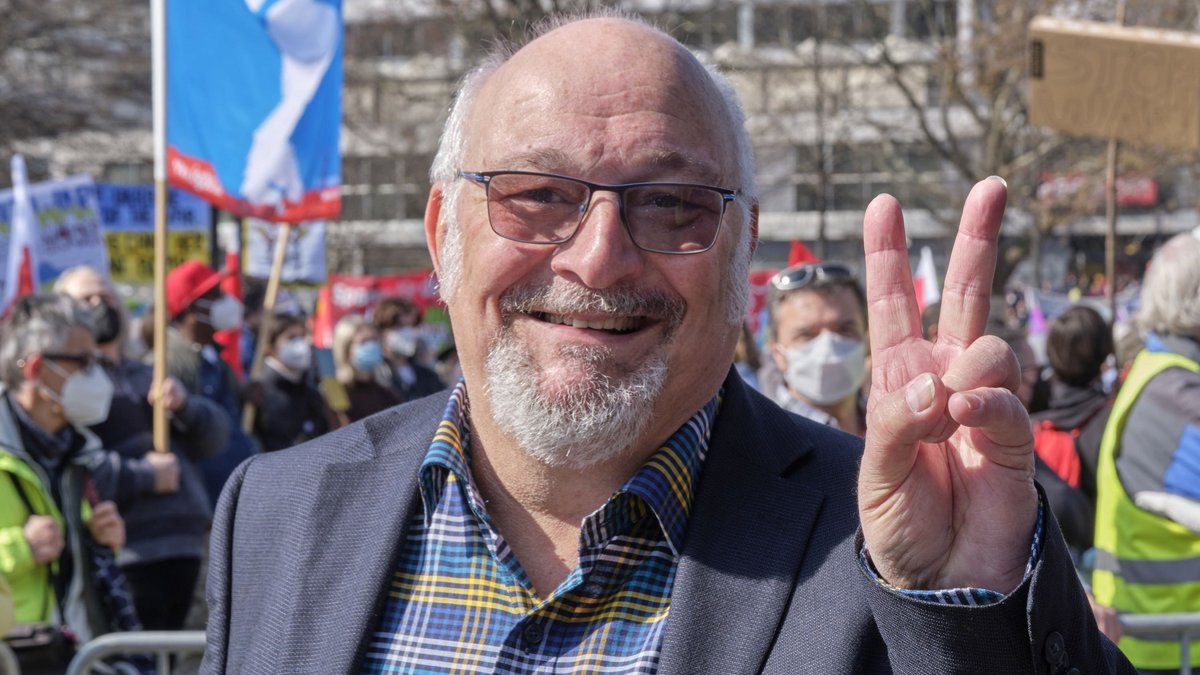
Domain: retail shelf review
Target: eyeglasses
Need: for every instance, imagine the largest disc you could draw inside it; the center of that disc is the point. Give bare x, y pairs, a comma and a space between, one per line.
542, 208
800, 276
85, 361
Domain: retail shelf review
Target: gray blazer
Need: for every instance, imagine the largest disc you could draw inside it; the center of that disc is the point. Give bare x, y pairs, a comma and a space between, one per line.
306, 540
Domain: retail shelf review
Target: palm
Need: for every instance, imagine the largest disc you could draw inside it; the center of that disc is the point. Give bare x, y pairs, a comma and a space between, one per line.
945, 495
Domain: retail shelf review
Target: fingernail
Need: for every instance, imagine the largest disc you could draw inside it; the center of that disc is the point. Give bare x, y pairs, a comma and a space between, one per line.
972, 401
1001, 180
919, 394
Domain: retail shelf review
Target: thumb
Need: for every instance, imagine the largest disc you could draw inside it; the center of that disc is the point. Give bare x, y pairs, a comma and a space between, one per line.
895, 426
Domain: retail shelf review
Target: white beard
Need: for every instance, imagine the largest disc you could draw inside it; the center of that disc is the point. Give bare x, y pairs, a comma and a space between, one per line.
586, 422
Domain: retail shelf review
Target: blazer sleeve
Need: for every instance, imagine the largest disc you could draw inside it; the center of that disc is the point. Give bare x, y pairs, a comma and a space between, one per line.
220, 571
1044, 627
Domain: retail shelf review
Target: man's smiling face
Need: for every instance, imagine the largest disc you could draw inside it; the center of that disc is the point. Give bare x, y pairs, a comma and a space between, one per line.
618, 344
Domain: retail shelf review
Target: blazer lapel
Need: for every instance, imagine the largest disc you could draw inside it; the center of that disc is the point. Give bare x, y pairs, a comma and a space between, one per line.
359, 518
747, 535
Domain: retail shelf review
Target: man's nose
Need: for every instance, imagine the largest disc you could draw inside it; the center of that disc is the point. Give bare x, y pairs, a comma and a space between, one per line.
601, 254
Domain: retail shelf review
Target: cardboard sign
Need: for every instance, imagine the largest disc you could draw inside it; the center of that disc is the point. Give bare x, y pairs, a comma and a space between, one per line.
1130, 84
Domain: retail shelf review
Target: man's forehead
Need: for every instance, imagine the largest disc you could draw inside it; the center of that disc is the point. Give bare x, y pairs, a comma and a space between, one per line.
605, 76
810, 305
86, 284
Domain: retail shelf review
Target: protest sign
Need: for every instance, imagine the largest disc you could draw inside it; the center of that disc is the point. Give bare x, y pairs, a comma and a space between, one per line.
127, 212
304, 260
69, 230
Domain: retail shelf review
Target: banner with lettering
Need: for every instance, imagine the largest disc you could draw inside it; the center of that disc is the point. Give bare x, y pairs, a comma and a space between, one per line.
69, 230
127, 212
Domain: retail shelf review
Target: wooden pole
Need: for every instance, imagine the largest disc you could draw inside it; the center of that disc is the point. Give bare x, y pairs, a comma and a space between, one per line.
158, 25
1110, 209
284, 233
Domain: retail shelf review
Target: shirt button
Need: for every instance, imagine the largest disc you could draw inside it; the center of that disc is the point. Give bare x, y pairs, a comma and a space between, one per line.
593, 589
533, 634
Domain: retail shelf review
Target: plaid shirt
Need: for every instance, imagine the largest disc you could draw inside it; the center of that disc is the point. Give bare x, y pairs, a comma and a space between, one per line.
460, 602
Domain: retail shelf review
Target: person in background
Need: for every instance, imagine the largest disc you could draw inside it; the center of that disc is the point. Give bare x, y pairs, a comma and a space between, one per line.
51, 391
398, 320
1033, 389
167, 512
746, 358
293, 410
358, 360
929, 321
197, 309
1148, 480
6, 606
253, 297
818, 317
1077, 346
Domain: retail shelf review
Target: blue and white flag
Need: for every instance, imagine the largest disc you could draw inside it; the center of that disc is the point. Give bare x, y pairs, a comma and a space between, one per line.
254, 105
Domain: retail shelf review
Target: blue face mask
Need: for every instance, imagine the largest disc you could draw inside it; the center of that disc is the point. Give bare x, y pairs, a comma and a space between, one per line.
366, 356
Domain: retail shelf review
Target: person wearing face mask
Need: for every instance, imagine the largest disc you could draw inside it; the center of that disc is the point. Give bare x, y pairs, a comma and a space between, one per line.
162, 495
293, 409
198, 310
818, 317
361, 368
52, 391
397, 320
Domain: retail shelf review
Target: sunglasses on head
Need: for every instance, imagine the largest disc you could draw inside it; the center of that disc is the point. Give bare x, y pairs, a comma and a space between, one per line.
800, 276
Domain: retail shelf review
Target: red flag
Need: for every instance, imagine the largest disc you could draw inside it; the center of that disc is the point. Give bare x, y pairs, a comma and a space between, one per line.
21, 273
800, 253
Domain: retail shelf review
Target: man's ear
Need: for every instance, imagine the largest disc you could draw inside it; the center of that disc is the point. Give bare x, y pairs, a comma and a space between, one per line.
778, 357
433, 225
32, 367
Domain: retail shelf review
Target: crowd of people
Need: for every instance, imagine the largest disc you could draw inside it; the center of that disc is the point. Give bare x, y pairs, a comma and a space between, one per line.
1124, 489
594, 465
101, 532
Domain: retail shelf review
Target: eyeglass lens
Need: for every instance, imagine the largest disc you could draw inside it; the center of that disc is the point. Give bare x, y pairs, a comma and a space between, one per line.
668, 218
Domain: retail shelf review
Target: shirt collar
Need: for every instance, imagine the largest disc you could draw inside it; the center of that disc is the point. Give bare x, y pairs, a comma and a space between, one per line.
666, 483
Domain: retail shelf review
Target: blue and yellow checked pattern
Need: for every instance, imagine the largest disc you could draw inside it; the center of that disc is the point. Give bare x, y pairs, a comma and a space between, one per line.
459, 601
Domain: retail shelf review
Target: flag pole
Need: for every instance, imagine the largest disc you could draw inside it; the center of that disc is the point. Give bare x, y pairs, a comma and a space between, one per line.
283, 234
158, 50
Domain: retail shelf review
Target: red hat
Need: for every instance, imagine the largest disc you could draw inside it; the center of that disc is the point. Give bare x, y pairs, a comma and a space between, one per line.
187, 282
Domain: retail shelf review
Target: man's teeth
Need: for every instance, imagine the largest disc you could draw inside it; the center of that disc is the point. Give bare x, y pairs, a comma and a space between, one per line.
615, 323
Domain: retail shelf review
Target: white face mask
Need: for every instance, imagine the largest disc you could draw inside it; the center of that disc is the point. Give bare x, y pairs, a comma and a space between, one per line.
224, 313
402, 341
86, 395
296, 354
828, 368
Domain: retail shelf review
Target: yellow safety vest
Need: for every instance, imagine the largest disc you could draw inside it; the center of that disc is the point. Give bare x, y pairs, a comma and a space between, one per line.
1145, 564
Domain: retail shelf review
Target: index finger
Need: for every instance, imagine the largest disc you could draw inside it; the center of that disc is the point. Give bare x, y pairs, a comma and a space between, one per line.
967, 290
891, 301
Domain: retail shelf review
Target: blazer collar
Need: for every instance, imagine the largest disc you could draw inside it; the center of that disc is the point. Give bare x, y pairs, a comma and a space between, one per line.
746, 539
363, 508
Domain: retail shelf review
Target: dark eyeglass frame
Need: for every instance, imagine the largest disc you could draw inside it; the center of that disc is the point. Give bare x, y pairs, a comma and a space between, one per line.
808, 274
484, 179
85, 361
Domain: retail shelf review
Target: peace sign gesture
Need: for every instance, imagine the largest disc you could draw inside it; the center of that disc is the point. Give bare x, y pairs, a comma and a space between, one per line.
945, 491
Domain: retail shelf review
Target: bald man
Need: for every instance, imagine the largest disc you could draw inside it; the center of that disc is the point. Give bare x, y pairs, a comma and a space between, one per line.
601, 492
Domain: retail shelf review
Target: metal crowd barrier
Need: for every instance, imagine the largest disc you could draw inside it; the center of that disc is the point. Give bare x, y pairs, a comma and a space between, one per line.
1184, 627
160, 643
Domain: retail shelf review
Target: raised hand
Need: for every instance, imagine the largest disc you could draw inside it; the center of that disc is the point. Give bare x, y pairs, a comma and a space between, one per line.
945, 491
107, 526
